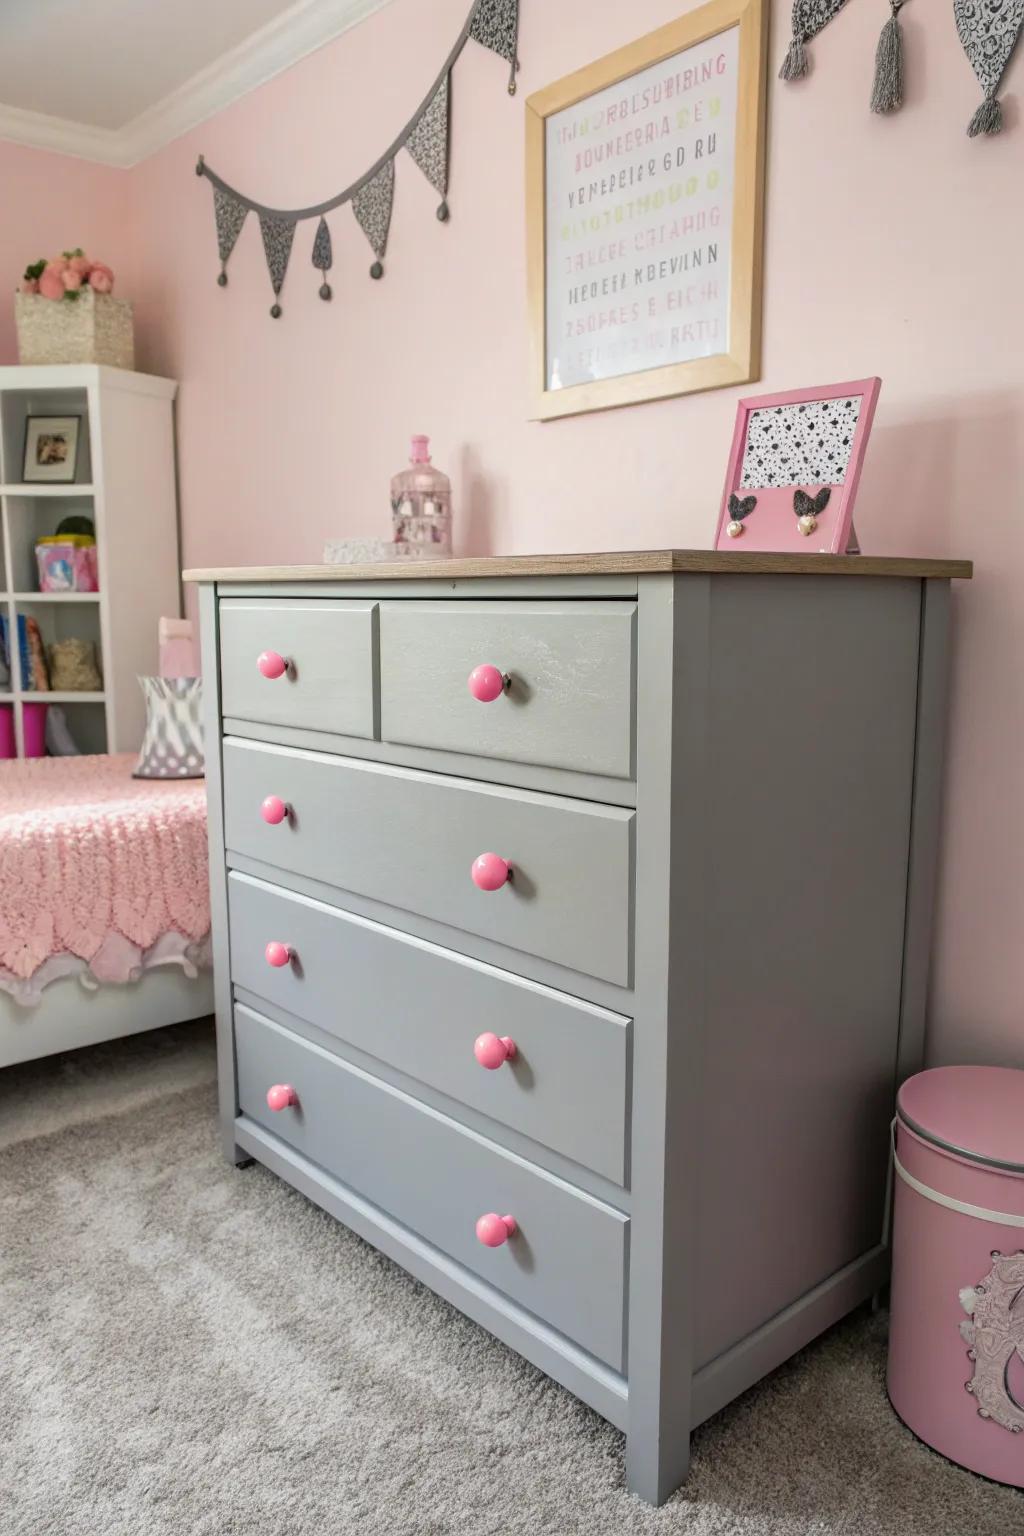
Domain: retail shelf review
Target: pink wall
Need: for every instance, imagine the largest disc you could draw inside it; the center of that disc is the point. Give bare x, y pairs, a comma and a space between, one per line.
892, 247
50, 203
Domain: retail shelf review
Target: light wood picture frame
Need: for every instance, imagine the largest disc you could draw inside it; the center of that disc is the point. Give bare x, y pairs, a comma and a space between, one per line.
658, 144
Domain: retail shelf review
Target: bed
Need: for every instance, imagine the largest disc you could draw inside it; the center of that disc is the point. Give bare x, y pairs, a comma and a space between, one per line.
104, 904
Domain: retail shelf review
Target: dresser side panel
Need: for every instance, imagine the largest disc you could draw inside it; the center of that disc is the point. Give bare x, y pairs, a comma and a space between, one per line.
813, 706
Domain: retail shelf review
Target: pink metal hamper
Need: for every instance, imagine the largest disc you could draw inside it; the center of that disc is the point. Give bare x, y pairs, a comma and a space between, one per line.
956, 1344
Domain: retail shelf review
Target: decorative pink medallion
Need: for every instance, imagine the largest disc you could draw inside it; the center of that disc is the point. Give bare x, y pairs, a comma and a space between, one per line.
273, 810
493, 1230
995, 1334
490, 872
492, 1051
281, 1096
486, 683
271, 664
278, 954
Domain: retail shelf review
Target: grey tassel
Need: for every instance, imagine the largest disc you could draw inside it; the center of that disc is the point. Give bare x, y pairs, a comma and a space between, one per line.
987, 119
794, 65
887, 91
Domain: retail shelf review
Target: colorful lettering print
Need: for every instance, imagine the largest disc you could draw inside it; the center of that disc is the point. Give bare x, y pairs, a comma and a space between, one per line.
639, 219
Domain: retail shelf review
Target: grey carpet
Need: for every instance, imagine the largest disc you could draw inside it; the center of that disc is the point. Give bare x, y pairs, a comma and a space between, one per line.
189, 1349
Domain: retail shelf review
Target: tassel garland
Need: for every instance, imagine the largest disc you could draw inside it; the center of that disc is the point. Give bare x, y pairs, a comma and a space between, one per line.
987, 119
794, 65
887, 91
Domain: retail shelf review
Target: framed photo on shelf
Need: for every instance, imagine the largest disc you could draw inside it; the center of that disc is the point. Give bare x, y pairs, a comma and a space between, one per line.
51, 449
644, 193
794, 468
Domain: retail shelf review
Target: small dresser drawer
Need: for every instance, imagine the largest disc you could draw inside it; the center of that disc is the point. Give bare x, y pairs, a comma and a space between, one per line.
329, 682
569, 667
566, 1260
442, 1018
412, 840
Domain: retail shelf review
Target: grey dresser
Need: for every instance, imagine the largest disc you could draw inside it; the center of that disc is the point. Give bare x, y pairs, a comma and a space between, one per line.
619, 1091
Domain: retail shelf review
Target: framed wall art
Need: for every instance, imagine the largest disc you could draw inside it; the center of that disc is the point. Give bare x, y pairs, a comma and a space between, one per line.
51, 449
794, 468
644, 187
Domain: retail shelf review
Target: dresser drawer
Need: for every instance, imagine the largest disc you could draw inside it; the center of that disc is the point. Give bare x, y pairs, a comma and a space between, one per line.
409, 839
421, 1009
330, 683
570, 665
565, 1263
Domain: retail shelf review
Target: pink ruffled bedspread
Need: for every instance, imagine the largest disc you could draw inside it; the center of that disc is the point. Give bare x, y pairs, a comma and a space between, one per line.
100, 873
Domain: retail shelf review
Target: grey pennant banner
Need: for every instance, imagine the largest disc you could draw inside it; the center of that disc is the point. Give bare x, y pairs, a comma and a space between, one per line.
230, 215
428, 143
496, 26
372, 208
278, 234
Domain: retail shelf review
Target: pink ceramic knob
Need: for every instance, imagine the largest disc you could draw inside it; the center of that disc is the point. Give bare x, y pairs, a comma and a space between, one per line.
492, 1051
486, 683
493, 1230
278, 954
271, 664
281, 1096
490, 872
273, 810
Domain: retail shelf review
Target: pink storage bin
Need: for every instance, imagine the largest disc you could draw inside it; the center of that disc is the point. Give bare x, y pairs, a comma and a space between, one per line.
33, 726
7, 741
956, 1343
67, 565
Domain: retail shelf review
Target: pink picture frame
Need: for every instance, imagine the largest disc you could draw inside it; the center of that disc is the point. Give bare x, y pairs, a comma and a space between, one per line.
794, 468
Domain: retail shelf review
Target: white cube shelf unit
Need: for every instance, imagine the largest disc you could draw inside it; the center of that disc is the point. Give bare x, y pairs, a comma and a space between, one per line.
125, 482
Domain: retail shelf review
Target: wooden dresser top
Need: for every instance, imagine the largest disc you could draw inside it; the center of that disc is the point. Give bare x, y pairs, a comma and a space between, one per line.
641, 562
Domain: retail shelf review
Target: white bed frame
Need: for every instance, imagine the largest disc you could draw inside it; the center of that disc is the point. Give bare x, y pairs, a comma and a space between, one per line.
69, 1016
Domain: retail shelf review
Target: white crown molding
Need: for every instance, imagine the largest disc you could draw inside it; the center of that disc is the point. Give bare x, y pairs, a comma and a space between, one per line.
298, 31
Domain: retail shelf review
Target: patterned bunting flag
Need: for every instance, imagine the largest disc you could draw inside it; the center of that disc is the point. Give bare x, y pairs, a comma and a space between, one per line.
372, 208
988, 30
278, 234
428, 144
230, 215
496, 26
809, 16
323, 256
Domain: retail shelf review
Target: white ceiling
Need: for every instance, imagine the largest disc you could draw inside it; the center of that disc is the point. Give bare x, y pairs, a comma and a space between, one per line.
112, 80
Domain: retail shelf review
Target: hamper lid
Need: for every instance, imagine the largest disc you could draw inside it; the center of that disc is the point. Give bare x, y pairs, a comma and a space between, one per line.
976, 1112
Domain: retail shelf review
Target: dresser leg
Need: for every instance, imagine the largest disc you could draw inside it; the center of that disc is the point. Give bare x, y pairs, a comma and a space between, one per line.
655, 1471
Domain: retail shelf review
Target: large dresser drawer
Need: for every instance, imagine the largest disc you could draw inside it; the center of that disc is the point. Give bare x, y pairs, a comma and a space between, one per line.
330, 683
566, 1261
421, 1009
570, 670
410, 839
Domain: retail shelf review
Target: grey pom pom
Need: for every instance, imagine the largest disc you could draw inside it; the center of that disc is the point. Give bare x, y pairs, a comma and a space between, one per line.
794, 65
987, 119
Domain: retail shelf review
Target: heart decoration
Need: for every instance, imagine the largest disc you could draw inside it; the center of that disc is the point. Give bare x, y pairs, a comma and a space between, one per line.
988, 31
810, 506
809, 16
738, 509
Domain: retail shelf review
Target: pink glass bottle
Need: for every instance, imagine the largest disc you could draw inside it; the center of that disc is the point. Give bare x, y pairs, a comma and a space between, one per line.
421, 506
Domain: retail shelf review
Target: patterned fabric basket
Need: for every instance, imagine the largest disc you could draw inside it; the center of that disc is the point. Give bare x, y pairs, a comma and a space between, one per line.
95, 328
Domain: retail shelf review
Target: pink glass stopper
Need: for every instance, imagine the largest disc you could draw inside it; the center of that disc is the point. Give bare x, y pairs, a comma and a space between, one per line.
492, 1051
278, 954
271, 664
281, 1096
273, 810
490, 871
419, 449
493, 1230
486, 683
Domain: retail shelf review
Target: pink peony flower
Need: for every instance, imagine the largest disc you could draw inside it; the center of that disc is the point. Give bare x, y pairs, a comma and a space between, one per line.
50, 284
101, 279
80, 264
71, 279
30, 285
